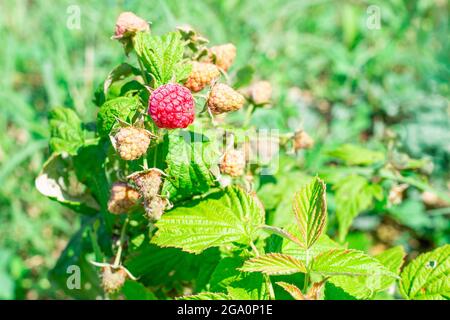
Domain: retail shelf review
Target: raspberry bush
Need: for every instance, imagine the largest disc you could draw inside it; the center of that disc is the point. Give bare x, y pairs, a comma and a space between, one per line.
183, 195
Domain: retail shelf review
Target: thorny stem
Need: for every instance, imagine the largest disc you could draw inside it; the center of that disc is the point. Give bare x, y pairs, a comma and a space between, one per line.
121, 241
266, 277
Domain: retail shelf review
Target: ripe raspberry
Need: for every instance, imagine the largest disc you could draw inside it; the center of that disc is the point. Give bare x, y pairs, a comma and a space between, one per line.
202, 74
224, 55
131, 142
148, 182
223, 98
113, 280
260, 92
128, 24
123, 197
171, 106
233, 162
302, 140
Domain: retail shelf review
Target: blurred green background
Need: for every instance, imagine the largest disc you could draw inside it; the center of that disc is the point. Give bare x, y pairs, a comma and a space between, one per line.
360, 81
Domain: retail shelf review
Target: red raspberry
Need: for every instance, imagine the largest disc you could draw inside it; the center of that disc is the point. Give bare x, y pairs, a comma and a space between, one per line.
171, 106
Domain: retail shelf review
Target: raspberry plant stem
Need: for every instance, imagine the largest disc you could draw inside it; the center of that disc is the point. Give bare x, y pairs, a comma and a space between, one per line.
266, 277
121, 241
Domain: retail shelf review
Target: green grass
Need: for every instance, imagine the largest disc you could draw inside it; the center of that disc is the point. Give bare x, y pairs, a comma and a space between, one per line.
395, 77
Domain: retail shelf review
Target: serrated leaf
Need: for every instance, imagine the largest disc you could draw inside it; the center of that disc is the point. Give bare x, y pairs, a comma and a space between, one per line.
294, 291
190, 159
310, 210
227, 277
243, 76
123, 108
274, 264
349, 263
365, 287
66, 132
427, 276
354, 194
324, 243
162, 56
221, 218
356, 155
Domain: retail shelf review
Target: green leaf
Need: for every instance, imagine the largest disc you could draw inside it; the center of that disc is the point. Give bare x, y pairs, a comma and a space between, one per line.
428, 276
310, 208
133, 290
356, 155
120, 72
365, 287
274, 264
58, 181
206, 296
227, 277
123, 108
66, 132
243, 76
348, 262
155, 266
354, 194
221, 218
324, 243
190, 159
162, 56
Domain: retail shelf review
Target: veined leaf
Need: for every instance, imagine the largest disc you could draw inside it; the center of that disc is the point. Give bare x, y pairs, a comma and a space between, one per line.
66, 132
190, 157
365, 287
221, 218
123, 108
294, 291
162, 56
356, 155
324, 243
274, 264
310, 210
353, 195
349, 263
428, 276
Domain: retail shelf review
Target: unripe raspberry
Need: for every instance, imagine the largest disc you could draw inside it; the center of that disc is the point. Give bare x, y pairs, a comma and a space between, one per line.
113, 280
223, 55
260, 92
123, 197
223, 98
155, 207
395, 196
128, 24
131, 143
202, 75
302, 140
171, 106
148, 182
233, 162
